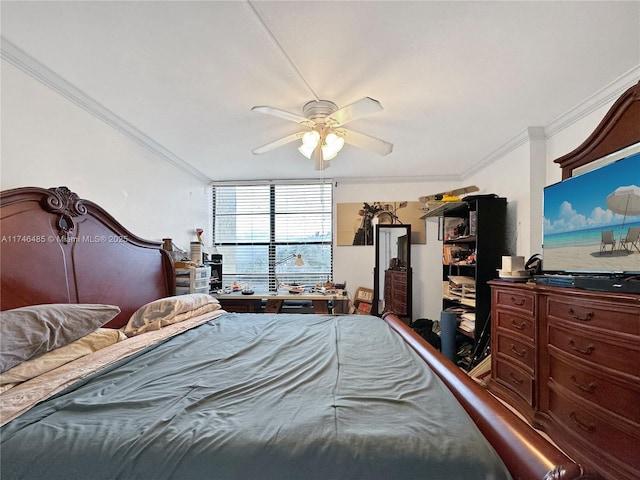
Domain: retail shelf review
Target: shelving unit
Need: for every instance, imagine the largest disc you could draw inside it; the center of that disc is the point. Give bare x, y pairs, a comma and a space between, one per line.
192, 280
215, 262
473, 243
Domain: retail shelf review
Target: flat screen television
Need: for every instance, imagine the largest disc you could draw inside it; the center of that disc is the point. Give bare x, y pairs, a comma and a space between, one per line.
587, 219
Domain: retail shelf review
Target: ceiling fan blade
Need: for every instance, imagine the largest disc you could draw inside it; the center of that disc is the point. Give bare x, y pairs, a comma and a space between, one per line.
277, 143
367, 142
361, 108
276, 112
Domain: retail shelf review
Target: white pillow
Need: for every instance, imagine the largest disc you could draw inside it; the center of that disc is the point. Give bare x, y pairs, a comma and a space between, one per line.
166, 311
101, 338
28, 332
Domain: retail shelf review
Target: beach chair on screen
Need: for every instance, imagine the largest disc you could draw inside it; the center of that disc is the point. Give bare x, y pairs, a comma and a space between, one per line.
631, 240
607, 239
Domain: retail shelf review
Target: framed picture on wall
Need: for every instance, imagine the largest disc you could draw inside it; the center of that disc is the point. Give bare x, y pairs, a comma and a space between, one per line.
356, 221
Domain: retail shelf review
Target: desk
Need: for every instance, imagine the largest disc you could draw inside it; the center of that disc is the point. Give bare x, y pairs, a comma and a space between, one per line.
236, 302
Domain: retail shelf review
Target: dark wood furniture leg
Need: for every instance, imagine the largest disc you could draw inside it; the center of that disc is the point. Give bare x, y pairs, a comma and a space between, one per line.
274, 305
320, 306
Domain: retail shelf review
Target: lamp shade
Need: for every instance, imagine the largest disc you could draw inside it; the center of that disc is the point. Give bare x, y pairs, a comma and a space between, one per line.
309, 142
332, 145
311, 138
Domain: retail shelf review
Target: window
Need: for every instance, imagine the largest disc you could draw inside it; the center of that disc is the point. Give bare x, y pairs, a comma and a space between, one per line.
260, 228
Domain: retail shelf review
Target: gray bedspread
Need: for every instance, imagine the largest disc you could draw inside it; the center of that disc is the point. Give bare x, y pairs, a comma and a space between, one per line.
256, 396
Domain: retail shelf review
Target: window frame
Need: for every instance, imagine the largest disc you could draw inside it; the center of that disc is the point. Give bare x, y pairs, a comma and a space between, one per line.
273, 245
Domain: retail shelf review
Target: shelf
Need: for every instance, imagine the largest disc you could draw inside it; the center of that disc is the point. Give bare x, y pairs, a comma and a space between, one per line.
439, 209
464, 285
453, 241
467, 302
466, 334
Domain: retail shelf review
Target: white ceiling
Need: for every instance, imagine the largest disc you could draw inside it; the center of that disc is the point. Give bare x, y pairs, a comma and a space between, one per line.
457, 80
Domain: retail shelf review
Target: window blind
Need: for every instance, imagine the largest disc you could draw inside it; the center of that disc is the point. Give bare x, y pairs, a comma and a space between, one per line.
260, 228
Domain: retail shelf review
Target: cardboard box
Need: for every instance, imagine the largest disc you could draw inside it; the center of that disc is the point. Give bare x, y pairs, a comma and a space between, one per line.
362, 300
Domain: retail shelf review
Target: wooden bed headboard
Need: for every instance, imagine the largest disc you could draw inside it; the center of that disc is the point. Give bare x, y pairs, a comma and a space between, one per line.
619, 129
59, 248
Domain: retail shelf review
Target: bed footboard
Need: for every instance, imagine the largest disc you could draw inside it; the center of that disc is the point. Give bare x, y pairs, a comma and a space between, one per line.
527, 454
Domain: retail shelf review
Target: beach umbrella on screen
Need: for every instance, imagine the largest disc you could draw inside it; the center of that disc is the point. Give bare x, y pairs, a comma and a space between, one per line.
625, 200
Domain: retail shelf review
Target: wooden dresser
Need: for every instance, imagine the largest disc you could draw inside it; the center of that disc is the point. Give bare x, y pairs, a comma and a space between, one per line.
569, 361
395, 291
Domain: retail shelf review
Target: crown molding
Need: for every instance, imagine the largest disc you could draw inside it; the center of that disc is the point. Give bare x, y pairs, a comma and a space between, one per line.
607, 94
604, 96
29, 65
386, 180
517, 141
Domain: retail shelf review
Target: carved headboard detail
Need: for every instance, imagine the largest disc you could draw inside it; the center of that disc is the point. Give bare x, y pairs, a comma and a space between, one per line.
66, 205
59, 248
619, 129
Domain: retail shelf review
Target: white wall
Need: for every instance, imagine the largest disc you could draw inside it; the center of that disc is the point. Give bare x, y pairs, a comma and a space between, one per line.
47, 141
569, 138
355, 263
509, 177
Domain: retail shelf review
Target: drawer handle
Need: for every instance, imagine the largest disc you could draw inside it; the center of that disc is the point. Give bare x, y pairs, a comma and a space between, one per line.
576, 316
517, 301
514, 379
520, 353
586, 351
519, 326
587, 428
589, 388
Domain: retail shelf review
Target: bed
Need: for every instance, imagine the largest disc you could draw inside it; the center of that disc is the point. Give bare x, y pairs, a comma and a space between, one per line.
187, 390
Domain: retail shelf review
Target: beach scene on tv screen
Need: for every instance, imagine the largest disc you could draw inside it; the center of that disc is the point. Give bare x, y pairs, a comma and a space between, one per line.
592, 221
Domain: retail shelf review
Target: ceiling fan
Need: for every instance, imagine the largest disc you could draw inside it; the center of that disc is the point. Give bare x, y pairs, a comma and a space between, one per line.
324, 136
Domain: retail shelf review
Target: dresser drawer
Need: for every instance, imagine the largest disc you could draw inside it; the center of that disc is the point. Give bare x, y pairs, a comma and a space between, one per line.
597, 431
520, 324
604, 315
514, 379
583, 389
597, 387
596, 350
518, 300
400, 297
517, 350
400, 287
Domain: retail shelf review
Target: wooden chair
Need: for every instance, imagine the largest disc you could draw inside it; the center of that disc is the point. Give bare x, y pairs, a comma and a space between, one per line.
607, 239
631, 240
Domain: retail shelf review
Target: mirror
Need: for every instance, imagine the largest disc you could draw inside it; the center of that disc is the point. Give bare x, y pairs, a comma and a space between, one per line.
392, 271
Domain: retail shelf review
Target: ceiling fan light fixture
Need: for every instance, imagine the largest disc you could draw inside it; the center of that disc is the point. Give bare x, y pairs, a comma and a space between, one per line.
311, 138
333, 141
332, 145
306, 151
326, 156
324, 136
309, 143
